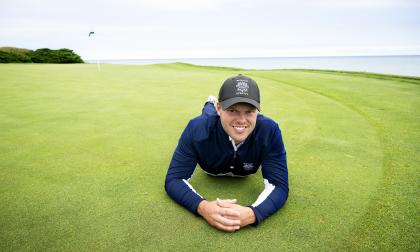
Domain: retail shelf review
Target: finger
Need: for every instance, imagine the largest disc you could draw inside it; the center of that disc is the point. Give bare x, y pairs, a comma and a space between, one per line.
225, 203
227, 222
226, 228
233, 201
229, 212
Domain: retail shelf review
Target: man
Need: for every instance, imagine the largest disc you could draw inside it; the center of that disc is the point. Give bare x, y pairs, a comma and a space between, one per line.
230, 138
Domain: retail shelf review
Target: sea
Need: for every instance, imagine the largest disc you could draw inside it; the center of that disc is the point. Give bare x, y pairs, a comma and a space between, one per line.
407, 65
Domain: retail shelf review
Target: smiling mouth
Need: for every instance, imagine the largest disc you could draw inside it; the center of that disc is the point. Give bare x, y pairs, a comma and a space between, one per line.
240, 129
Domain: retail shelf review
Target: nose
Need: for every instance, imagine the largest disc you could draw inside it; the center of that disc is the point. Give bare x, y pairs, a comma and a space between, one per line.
241, 117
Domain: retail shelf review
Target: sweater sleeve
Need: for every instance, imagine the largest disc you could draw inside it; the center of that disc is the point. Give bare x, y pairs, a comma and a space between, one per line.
180, 171
275, 175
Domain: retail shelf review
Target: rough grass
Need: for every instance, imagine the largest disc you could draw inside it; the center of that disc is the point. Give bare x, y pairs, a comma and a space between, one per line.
83, 156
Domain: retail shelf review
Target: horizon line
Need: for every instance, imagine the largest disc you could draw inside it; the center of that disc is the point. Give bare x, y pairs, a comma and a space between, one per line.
258, 57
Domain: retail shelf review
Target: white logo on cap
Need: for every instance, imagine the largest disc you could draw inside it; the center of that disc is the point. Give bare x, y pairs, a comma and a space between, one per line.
242, 88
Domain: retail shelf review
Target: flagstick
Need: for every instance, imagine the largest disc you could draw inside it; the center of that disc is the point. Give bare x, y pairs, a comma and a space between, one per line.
97, 61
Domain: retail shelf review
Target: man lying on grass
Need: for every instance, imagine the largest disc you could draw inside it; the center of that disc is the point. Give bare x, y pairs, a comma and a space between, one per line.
230, 138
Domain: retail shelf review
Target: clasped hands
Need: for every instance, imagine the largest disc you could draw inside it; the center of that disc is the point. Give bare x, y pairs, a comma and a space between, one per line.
225, 214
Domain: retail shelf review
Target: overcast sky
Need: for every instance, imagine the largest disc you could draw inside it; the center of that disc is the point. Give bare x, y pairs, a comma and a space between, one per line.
150, 29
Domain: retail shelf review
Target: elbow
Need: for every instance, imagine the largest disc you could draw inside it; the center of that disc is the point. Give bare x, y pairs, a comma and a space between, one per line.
284, 195
167, 185
286, 192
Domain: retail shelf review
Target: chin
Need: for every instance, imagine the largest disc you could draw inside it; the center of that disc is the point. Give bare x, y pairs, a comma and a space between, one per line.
239, 139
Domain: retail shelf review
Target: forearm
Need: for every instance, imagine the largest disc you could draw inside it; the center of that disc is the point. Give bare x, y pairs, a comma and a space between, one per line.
270, 204
182, 192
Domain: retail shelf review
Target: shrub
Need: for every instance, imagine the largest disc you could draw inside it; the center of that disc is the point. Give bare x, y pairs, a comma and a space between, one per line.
43, 55
11, 57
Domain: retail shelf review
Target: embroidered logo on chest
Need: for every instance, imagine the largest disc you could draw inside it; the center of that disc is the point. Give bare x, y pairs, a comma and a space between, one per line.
248, 166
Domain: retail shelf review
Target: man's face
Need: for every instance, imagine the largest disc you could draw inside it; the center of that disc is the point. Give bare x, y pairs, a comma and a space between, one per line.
238, 120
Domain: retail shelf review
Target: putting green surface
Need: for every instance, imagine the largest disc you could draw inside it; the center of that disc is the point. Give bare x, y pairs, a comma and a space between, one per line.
84, 154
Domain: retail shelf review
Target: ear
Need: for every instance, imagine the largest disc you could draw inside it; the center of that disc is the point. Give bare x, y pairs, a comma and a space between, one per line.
217, 107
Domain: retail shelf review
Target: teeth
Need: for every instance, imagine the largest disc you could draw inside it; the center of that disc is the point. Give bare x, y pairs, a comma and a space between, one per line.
239, 129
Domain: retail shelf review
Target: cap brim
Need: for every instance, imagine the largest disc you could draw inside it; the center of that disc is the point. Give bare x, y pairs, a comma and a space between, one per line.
229, 102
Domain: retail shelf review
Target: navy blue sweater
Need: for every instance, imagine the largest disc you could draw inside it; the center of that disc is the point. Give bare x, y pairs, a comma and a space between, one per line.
205, 142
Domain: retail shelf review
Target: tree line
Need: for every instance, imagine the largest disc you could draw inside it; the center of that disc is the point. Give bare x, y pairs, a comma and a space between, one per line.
43, 55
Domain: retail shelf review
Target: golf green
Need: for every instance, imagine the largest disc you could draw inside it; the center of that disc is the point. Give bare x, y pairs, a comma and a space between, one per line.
84, 154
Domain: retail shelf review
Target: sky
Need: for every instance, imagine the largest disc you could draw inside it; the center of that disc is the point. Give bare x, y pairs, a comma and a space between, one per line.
162, 29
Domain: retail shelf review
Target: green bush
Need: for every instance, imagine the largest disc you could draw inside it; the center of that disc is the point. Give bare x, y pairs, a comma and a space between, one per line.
64, 55
68, 56
43, 55
11, 57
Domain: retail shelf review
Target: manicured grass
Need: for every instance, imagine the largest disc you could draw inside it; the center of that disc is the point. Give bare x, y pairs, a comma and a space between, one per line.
83, 157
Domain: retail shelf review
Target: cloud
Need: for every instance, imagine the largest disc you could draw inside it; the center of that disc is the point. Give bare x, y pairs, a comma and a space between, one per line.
363, 4
185, 5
